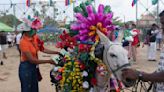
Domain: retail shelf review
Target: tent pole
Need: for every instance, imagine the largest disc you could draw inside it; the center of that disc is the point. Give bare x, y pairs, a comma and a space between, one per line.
14, 19
137, 14
157, 12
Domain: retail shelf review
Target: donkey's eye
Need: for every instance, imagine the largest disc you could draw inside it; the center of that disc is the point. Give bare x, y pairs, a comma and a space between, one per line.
113, 55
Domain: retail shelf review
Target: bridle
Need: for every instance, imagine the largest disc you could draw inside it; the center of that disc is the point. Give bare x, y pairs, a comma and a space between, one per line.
118, 67
114, 71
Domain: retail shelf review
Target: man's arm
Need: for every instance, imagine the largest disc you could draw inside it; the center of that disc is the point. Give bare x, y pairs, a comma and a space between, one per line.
154, 77
134, 75
50, 51
35, 60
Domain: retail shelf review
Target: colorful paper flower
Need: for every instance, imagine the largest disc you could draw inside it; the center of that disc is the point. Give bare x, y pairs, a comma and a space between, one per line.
83, 48
67, 41
93, 81
36, 24
85, 74
87, 26
85, 85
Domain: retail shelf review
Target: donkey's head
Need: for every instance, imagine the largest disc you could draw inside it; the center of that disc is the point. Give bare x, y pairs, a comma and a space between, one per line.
114, 56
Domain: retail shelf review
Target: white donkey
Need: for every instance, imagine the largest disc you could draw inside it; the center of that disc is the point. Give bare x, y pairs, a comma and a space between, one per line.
115, 57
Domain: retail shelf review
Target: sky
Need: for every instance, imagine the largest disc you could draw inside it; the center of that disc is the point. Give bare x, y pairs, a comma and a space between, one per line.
121, 8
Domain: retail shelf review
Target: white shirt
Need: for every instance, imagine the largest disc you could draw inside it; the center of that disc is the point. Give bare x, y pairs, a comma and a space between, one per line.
9, 37
159, 34
18, 37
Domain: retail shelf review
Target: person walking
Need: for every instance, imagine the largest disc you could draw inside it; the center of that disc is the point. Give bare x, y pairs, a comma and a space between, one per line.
152, 43
135, 42
127, 40
159, 38
3, 46
29, 74
17, 39
9, 39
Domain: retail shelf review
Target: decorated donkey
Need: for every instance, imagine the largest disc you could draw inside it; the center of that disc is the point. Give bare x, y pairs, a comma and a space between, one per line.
115, 57
78, 73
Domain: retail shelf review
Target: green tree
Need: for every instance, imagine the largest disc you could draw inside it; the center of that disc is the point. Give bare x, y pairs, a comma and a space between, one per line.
9, 20
117, 21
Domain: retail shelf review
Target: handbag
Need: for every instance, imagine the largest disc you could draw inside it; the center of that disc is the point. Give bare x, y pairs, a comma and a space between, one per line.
37, 68
38, 73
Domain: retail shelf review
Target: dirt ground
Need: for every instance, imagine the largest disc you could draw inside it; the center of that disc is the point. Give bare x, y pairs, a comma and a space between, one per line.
9, 80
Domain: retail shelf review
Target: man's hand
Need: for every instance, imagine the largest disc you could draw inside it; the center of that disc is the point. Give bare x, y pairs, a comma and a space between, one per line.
130, 74
61, 55
52, 62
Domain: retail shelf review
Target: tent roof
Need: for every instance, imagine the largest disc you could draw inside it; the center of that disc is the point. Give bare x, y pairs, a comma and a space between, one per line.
52, 29
5, 28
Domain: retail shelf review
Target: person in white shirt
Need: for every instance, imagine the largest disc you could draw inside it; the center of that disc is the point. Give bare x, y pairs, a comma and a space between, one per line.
9, 39
18, 37
152, 42
3, 46
13, 39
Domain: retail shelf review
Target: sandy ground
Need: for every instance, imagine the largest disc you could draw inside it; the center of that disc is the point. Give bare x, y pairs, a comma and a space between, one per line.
9, 80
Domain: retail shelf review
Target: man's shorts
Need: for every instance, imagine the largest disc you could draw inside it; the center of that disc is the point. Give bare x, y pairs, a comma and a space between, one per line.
159, 40
3, 47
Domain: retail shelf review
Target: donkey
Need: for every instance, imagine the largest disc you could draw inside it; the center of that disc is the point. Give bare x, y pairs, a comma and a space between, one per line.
115, 57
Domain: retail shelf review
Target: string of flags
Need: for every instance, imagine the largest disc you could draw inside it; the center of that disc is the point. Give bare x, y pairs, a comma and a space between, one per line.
28, 3
68, 2
154, 2
134, 2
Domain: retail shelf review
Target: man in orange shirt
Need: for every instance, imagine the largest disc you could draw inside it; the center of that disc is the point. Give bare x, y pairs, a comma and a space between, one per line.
29, 47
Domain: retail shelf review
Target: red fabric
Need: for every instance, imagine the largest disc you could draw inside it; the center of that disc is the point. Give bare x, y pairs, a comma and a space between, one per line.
40, 44
28, 2
136, 38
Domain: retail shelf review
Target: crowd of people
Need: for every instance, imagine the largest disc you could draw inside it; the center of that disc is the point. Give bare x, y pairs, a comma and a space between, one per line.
156, 77
132, 40
8, 40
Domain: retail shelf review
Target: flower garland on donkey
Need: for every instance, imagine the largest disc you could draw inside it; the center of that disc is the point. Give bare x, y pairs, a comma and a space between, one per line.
78, 69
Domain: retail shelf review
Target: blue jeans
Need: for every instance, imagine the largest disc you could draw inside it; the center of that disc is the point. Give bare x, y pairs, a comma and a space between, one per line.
28, 77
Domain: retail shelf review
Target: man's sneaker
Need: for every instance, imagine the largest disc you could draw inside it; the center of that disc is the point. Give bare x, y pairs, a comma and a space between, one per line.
1, 63
154, 60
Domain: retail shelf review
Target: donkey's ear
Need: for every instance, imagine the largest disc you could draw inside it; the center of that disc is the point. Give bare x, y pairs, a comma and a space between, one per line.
103, 38
120, 36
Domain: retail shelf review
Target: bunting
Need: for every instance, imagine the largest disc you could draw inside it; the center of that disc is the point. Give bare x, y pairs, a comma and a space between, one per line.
68, 2
28, 3
134, 2
154, 2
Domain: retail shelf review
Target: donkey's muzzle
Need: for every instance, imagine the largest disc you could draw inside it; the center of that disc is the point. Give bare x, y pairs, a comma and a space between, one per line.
128, 82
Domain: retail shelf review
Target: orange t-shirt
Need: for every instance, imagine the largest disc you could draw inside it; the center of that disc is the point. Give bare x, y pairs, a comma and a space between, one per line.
28, 44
